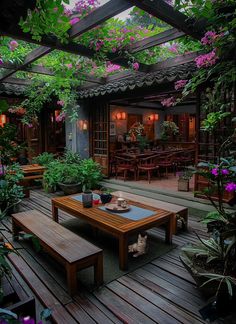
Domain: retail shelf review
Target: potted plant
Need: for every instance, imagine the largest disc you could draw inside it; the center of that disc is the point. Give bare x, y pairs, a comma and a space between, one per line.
70, 178
105, 195
43, 159
168, 129
212, 262
183, 180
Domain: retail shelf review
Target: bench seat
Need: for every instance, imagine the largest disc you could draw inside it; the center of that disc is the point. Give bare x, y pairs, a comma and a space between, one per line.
72, 251
179, 211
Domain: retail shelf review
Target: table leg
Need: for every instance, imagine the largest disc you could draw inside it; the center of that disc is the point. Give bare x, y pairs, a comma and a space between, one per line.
123, 252
169, 229
54, 212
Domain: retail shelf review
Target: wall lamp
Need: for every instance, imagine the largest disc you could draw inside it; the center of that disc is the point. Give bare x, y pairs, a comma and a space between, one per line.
3, 120
153, 117
83, 125
121, 115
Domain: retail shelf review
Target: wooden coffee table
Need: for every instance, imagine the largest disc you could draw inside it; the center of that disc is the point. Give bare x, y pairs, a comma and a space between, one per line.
115, 224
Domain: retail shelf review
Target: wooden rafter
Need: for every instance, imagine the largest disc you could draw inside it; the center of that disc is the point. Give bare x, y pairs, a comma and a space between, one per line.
98, 16
155, 40
30, 58
46, 71
165, 12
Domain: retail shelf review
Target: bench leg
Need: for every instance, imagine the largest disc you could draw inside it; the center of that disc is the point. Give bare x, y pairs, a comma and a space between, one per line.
71, 272
123, 252
98, 270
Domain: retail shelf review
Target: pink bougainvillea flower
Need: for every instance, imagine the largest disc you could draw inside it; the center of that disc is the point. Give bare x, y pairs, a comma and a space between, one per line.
180, 84
61, 117
1, 61
74, 21
60, 102
174, 48
206, 60
214, 172
224, 171
13, 45
230, 186
135, 66
55, 9
99, 44
69, 65
132, 39
112, 67
210, 37
30, 125
113, 49
168, 102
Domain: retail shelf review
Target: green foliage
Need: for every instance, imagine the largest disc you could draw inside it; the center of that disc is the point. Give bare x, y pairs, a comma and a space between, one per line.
8, 147
10, 192
43, 159
3, 106
212, 121
91, 174
46, 20
70, 157
39, 93
168, 129
87, 172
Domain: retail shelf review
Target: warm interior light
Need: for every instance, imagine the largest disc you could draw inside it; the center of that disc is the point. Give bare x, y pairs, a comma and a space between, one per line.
156, 116
153, 117
83, 125
3, 120
121, 115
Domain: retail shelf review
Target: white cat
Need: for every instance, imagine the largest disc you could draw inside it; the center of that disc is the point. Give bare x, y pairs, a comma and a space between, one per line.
139, 246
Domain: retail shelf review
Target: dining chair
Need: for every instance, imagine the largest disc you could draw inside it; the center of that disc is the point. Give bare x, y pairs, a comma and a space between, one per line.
166, 162
147, 165
125, 166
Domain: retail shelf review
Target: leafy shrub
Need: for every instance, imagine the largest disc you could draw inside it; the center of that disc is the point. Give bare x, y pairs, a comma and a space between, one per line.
70, 157
43, 159
91, 173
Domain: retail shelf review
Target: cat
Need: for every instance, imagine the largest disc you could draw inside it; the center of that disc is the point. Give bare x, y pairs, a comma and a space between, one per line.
139, 247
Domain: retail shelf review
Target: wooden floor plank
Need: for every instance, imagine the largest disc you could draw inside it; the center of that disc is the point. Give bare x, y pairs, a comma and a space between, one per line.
160, 292
158, 301
123, 310
59, 314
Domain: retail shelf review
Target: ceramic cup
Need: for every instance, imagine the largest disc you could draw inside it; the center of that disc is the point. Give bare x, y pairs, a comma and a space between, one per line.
120, 201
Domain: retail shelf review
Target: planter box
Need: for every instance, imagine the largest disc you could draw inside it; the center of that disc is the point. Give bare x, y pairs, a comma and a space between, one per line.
183, 185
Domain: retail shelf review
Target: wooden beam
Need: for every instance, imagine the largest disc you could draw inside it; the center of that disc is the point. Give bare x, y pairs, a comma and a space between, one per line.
165, 12
171, 62
17, 81
46, 71
155, 40
98, 16
30, 58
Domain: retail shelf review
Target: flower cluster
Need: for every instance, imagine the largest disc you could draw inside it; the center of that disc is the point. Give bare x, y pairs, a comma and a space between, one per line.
210, 37
61, 117
13, 45
135, 66
168, 102
112, 67
18, 111
230, 187
174, 48
60, 102
136, 129
206, 60
180, 84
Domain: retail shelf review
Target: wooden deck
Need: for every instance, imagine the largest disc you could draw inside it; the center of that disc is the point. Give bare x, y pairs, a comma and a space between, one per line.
158, 292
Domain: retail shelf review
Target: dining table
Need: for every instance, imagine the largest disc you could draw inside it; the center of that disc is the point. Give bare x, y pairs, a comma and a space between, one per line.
139, 217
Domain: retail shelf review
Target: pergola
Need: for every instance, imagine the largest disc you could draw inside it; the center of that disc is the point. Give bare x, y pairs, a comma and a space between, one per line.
11, 11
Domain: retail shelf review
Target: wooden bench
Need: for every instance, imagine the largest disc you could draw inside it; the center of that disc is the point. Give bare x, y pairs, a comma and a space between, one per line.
181, 213
67, 248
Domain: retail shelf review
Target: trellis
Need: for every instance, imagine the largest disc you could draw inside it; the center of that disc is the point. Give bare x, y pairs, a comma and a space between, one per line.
11, 11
